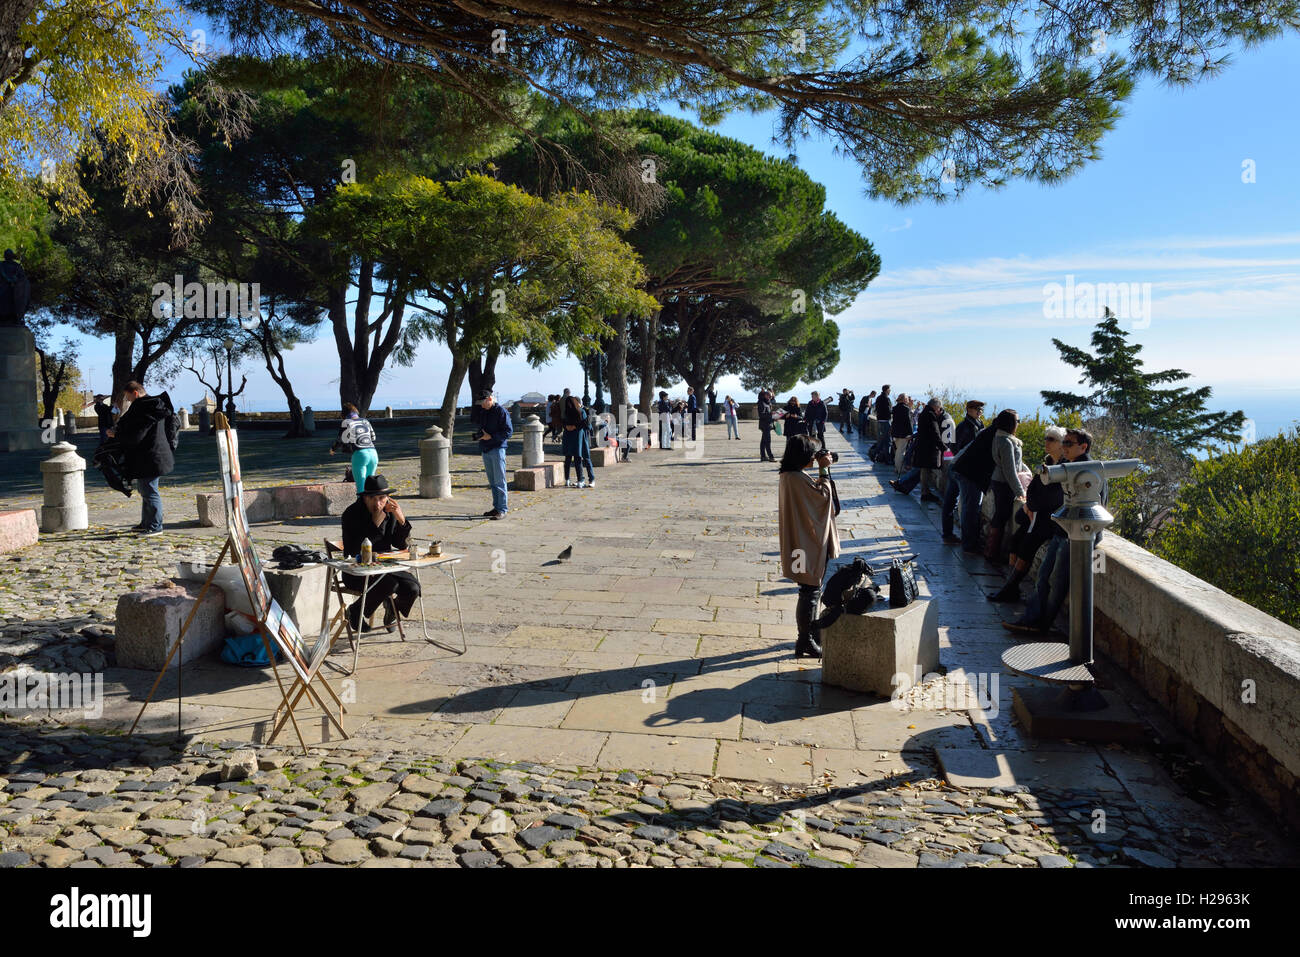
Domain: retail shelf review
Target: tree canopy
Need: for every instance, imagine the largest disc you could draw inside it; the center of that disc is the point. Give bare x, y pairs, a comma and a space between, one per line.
927, 97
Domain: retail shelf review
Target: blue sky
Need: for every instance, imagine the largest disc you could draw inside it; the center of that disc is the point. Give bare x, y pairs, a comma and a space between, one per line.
960, 299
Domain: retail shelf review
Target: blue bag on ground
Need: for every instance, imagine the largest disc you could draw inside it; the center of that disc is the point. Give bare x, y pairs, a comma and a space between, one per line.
247, 651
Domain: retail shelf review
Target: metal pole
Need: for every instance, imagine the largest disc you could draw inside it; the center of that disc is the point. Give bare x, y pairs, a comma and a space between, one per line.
1081, 600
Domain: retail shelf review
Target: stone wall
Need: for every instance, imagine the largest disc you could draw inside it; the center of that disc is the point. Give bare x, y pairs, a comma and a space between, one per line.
1227, 673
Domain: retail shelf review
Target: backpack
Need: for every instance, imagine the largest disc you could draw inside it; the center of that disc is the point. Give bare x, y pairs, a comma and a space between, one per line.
247, 651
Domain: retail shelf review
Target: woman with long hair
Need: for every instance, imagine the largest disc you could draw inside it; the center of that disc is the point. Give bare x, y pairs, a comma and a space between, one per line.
808, 537
357, 437
577, 451
792, 421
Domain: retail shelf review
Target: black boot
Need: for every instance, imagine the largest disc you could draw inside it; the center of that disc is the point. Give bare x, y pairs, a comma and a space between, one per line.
808, 645
1011, 590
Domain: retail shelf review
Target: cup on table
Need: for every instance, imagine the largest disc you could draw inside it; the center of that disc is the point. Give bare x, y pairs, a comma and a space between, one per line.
435, 549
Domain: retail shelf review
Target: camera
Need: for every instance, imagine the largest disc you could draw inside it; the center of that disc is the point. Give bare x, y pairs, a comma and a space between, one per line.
835, 456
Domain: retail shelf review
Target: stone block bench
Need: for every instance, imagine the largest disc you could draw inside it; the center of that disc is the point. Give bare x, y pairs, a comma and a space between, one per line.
18, 529
286, 501
868, 652
604, 456
149, 622
537, 477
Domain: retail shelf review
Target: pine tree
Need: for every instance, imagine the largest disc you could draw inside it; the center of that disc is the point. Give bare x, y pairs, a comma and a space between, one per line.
1121, 388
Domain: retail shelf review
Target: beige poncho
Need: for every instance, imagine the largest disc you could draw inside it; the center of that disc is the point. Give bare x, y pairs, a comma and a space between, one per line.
807, 528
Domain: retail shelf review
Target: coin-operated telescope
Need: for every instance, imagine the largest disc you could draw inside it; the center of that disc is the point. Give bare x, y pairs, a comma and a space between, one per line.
1083, 516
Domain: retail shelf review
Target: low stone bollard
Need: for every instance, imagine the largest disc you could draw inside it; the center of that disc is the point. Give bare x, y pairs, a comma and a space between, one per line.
65, 490
185, 418
435, 465
149, 621
309, 419
205, 420
69, 423
18, 529
867, 652
532, 430
388, 412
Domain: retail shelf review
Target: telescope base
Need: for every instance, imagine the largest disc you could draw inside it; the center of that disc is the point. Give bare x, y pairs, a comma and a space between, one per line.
1073, 713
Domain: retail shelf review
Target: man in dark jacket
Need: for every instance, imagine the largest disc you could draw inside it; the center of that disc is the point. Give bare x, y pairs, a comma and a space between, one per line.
884, 403
846, 411
104, 417
864, 414
377, 517
148, 432
815, 416
692, 410
927, 456
967, 429
765, 426
494, 429
901, 430
973, 470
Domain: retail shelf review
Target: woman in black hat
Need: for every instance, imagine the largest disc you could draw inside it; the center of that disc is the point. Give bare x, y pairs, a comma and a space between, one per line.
379, 518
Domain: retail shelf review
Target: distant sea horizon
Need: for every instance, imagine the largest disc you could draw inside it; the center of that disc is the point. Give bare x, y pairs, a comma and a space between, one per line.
1272, 411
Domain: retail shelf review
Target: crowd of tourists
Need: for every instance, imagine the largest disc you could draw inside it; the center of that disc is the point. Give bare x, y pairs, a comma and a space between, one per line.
957, 465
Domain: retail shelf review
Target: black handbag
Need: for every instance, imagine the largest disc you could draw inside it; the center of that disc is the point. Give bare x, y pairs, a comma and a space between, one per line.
902, 582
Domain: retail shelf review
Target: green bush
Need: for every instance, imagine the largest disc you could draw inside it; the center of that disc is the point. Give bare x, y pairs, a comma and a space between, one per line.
1236, 524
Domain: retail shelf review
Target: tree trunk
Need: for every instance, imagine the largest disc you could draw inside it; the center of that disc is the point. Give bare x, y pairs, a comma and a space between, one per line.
338, 313
616, 369
649, 331
297, 428
123, 349
447, 417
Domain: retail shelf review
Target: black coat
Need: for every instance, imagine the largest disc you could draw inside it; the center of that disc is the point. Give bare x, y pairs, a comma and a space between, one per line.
793, 423
967, 429
764, 414
816, 412
882, 406
103, 415
976, 460
147, 431
929, 448
902, 424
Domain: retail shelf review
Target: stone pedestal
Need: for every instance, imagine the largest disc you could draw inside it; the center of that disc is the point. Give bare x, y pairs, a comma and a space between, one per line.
65, 490
18, 394
149, 622
435, 468
533, 429
868, 652
69, 423
185, 418
301, 593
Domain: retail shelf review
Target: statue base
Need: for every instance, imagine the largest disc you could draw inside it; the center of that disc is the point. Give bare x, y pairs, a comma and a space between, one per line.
18, 393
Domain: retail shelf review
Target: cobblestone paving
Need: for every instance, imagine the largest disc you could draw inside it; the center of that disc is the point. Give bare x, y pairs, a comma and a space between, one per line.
71, 801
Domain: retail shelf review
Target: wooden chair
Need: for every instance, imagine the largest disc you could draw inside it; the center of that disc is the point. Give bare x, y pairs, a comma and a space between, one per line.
339, 624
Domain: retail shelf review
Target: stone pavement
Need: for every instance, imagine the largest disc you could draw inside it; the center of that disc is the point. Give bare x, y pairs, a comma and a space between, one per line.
661, 650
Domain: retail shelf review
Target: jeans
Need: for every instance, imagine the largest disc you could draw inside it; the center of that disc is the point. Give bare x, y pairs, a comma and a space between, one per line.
151, 512
494, 463
733, 427
365, 462
970, 512
577, 453
1053, 585
927, 478
765, 443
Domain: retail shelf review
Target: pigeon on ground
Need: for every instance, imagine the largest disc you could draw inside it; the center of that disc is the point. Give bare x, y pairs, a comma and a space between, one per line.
565, 555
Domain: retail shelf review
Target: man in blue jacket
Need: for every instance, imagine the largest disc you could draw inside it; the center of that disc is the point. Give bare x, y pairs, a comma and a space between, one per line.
692, 410
494, 429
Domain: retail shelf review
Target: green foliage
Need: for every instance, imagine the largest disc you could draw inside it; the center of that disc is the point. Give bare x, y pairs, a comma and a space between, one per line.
1237, 523
1121, 389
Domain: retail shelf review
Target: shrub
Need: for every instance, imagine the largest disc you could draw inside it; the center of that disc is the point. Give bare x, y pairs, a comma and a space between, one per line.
1236, 524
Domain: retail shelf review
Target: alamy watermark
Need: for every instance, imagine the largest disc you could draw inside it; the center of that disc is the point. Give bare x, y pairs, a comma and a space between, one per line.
207, 300
1129, 301
52, 691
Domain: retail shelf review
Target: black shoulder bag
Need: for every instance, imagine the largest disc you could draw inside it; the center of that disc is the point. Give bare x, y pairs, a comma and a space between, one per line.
902, 582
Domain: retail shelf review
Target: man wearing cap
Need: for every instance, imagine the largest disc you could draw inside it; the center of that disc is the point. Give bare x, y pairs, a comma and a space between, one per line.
494, 429
966, 432
379, 518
